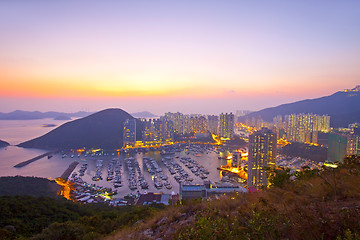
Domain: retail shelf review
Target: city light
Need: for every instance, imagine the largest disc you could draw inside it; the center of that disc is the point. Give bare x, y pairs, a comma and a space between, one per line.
66, 188
216, 139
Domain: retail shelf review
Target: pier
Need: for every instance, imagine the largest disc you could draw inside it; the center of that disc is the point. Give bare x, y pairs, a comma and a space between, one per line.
22, 164
69, 170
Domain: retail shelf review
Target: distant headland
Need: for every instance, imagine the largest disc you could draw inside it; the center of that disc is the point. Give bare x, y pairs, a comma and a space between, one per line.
103, 129
4, 144
27, 115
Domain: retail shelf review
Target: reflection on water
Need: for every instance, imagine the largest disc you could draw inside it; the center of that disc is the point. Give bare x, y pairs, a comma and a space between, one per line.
55, 166
18, 131
44, 167
15, 132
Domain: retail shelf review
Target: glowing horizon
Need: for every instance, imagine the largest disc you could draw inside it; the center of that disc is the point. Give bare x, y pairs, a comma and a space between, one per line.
159, 55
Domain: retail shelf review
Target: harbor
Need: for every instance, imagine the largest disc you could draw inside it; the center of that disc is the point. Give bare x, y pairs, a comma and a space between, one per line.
131, 175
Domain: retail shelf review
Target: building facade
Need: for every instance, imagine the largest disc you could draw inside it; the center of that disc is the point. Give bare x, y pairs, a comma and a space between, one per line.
213, 124
226, 125
337, 144
129, 133
262, 154
305, 127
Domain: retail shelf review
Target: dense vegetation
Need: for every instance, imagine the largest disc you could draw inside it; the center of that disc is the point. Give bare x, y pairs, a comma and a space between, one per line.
31, 186
319, 205
303, 150
48, 218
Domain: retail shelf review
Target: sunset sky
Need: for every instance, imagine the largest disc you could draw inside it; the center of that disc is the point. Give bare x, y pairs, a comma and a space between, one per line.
188, 56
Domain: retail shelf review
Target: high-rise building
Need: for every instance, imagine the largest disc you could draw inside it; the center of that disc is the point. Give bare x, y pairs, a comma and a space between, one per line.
336, 147
177, 120
304, 127
323, 123
213, 124
197, 124
152, 130
241, 113
353, 144
129, 134
255, 122
167, 129
226, 125
355, 128
262, 153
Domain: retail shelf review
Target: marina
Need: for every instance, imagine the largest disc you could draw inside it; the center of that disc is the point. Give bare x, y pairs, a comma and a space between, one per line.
143, 172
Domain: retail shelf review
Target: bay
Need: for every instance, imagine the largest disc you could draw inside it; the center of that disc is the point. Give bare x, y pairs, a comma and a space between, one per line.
17, 131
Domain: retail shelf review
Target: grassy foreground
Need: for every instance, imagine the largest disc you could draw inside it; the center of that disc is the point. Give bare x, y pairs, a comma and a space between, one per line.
319, 205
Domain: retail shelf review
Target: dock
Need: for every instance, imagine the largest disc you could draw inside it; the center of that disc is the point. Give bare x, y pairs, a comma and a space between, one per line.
69, 170
22, 164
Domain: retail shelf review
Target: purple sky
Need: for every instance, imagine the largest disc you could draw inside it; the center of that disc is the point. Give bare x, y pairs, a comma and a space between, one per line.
188, 56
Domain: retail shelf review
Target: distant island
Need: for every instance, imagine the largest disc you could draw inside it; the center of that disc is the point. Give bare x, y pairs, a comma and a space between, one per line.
3, 144
103, 129
62, 118
27, 115
144, 114
343, 107
48, 125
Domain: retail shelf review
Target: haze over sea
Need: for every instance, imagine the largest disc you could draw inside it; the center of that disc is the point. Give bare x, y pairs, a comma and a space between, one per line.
17, 131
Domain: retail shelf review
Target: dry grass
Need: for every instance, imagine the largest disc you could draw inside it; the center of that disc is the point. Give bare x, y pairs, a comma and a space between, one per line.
322, 207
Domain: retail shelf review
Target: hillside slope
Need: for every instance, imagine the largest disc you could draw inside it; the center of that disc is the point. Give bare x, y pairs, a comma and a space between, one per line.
314, 207
30, 186
343, 107
103, 129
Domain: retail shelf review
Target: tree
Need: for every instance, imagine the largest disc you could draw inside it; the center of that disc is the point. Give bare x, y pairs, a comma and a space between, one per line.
278, 177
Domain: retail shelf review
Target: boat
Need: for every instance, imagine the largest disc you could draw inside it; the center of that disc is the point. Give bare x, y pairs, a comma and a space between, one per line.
50, 156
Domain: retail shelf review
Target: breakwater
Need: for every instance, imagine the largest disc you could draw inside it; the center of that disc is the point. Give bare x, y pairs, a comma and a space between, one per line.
69, 170
22, 164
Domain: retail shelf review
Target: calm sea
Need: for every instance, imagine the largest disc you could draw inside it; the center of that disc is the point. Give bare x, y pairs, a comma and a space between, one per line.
18, 131
15, 132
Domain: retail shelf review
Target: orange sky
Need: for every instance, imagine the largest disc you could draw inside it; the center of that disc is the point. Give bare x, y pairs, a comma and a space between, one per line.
233, 55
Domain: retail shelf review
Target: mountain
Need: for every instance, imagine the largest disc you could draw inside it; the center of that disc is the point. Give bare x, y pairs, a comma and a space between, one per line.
3, 144
26, 115
103, 129
144, 114
343, 107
